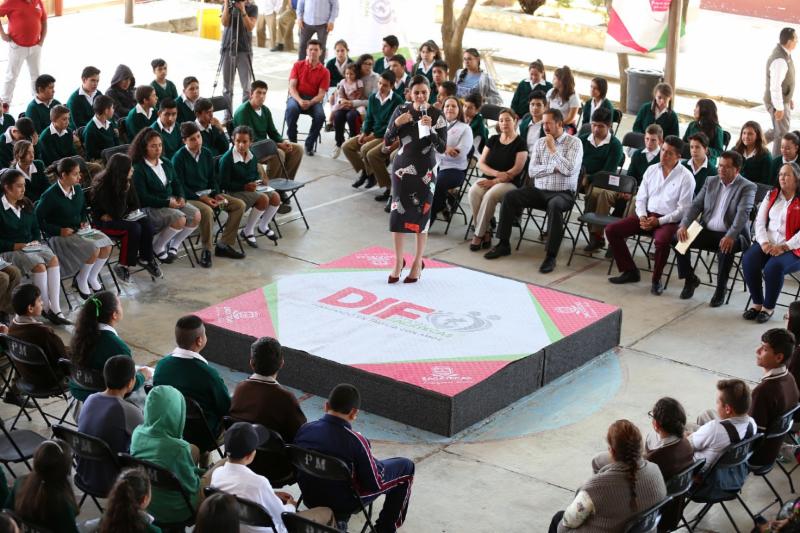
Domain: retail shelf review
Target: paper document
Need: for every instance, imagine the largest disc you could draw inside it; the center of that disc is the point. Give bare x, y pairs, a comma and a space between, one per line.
693, 230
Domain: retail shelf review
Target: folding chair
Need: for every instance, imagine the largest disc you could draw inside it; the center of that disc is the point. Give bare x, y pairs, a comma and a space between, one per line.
286, 188
297, 524
779, 429
529, 215
633, 140
677, 487
37, 378
108, 152
162, 479
26, 526
272, 460
584, 129
647, 520
87, 378
250, 513
726, 139
196, 430
491, 112
18, 446
98, 454
616, 119
219, 103
317, 141
326, 467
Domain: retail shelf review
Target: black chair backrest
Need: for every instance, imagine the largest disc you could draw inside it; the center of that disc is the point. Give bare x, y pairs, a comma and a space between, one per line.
585, 129
197, 428
647, 520
634, 140
220, 103
108, 152
319, 465
738, 453
782, 425
250, 513
762, 190
86, 446
726, 138
613, 182
297, 524
491, 112
680, 483
264, 149
686, 152
87, 378
24, 525
31, 364
159, 477
617, 117
272, 460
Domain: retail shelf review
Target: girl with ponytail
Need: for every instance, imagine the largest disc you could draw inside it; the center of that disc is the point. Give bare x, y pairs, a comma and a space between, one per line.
127, 501
471, 79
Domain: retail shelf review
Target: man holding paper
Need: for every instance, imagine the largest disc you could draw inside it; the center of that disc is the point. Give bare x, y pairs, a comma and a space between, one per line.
664, 195
724, 205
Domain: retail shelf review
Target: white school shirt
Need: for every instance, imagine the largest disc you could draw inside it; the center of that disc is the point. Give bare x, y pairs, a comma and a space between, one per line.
69, 194
651, 155
670, 197
775, 233
535, 131
89, 97
99, 124
459, 135
180, 353
54, 131
158, 168
605, 141
697, 169
717, 220
237, 157
711, 439
140, 109
7, 205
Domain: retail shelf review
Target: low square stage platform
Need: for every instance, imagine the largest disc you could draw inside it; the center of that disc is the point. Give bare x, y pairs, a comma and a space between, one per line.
440, 354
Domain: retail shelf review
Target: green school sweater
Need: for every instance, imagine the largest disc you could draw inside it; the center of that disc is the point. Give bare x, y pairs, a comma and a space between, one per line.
604, 158
479, 129
40, 113
95, 139
38, 182
135, 122
170, 91
53, 147
639, 164
715, 145
151, 192
80, 110
587, 109
195, 175
519, 102
185, 113
336, 76
525, 125
234, 176
199, 381
171, 141
702, 175
379, 65
668, 121
378, 115
55, 211
757, 169
107, 346
13, 229
262, 126
6, 121
215, 141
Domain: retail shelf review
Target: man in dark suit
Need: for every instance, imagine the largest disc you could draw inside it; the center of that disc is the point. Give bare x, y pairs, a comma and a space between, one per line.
724, 203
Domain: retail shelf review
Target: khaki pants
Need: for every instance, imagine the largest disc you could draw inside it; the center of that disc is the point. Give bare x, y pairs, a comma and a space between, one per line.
291, 160
235, 210
356, 153
600, 201
267, 21
286, 20
483, 203
10, 277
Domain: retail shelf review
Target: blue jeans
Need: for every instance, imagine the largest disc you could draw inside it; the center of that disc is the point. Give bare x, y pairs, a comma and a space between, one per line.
774, 269
293, 111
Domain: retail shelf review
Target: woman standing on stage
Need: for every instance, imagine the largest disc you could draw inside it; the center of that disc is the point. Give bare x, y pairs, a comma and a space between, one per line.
421, 129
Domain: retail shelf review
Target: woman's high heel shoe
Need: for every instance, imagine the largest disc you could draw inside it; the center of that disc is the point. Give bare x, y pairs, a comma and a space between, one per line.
409, 279
393, 279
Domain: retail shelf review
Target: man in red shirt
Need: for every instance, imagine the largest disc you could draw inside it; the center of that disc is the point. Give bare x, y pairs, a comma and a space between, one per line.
308, 83
27, 27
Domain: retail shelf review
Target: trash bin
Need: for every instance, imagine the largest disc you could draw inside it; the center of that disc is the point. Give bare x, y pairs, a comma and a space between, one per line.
208, 23
641, 83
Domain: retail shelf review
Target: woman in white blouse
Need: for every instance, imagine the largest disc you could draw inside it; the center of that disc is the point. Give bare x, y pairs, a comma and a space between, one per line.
776, 250
452, 164
564, 98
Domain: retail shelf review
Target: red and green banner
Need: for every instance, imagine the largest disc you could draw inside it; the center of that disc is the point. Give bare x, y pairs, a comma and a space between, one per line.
638, 26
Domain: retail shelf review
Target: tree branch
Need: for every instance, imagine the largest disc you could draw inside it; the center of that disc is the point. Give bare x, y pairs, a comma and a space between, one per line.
463, 18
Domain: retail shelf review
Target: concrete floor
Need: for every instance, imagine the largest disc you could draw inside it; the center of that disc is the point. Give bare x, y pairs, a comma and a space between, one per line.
513, 471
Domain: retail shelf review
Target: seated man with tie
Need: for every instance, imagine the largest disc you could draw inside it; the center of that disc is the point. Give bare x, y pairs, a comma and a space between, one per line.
724, 205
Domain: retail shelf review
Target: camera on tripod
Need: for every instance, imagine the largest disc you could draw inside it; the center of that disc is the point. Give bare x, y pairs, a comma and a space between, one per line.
232, 3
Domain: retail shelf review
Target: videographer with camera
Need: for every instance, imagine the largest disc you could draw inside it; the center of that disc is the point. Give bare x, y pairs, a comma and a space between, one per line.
238, 20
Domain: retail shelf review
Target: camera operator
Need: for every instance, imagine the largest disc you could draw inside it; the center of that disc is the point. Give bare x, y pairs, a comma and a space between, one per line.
238, 20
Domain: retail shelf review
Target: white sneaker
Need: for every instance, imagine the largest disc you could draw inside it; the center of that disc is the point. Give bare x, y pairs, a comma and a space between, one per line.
336, 151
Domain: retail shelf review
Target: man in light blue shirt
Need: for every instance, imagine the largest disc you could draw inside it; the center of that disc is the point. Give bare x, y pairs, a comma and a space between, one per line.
315, 16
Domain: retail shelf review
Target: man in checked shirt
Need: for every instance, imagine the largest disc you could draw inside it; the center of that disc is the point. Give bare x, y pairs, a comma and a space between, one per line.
554, 168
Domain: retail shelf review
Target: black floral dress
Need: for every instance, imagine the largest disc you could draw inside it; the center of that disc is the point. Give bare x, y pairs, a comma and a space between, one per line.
413, 182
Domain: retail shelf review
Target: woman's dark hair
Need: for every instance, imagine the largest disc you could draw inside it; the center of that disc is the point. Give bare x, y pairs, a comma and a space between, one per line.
538, 65
566, 83
218, 512
362, 59
669, 414
66, 165
8, 177
437, 52
7, 524
602, 86
707, 121
419, 79
356, 70
23, 297
460, 116
625, 441
123, 511
48, 485
138, 150
21, 147
474, 53
112, 189
760, 141
95, 311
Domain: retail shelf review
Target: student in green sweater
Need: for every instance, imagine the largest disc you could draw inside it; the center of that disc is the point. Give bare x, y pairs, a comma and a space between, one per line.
699, 163
239, 176
214, 138
602, 152
80, 102
100, 133
143, 115
790, 150
429, 54
187, 100
127, 503
706, 121
649, 155
659, 111
63, 215
160, 440
96, 340
166, 126
45, 496
38, 109
439, 76
338, 62
189, 372
757, 159
536, 81
36, 181
23, 129
444, 90
163, 87
388, 48
6, 121
161, 195
530, 127
195, 168
473, 117
21, 245
597, 99
397, 64
58, 139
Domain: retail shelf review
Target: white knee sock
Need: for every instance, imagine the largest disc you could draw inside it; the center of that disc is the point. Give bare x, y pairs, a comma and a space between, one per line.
252, 220
266, 218
182, 234
162, 238
54, 288
40, 280
94, 282
83, 277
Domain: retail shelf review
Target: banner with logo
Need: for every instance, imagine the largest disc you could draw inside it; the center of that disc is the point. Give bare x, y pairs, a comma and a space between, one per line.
364, 23
638, 26
447, 333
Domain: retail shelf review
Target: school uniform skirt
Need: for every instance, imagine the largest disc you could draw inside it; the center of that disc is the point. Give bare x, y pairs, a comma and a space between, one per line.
162, 217
73, 251
26, 261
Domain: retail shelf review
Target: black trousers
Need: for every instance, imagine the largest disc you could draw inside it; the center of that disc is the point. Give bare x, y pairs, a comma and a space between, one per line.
709, 240
554, 203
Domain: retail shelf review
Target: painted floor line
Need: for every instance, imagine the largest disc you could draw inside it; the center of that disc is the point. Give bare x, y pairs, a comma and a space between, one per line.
336, 201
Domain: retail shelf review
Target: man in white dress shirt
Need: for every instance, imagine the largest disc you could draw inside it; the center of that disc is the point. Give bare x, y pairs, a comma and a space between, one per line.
778, 95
